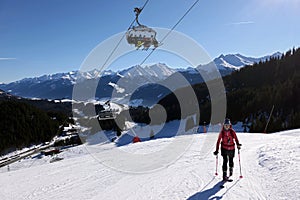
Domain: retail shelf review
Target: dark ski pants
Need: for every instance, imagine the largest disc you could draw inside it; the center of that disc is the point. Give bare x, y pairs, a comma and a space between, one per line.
228, 155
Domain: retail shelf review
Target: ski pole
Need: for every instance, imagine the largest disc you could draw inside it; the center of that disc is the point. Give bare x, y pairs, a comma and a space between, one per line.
216, 165
265, 131
241, 176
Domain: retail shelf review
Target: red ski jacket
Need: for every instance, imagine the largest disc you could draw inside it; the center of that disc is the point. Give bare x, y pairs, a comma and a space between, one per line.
136, 139
227, 137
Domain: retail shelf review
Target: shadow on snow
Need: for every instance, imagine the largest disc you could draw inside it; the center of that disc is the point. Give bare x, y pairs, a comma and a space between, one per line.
209, 193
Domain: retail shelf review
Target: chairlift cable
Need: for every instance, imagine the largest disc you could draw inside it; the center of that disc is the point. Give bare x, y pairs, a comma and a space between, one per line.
178, 22
118, 44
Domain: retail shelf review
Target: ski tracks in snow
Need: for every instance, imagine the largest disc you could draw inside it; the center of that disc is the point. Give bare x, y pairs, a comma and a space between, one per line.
270, 166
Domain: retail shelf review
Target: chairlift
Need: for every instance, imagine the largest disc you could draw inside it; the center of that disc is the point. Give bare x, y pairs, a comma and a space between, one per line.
141, 35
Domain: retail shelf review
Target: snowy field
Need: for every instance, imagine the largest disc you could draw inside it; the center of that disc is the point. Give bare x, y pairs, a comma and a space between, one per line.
270, 168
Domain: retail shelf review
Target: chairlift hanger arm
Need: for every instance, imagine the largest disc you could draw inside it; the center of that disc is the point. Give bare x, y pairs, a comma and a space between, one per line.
137, 13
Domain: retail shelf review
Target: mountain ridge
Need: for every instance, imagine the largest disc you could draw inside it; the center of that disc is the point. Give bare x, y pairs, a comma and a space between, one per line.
60, 85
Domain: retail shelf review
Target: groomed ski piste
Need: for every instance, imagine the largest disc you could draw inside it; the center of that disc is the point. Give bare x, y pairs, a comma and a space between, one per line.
270, 169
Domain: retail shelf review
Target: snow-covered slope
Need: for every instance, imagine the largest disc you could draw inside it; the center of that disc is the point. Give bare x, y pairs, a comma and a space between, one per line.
270, 168
231, 62
159, 71
234, 61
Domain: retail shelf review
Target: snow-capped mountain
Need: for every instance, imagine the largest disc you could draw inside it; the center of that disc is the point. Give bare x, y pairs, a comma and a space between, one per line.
237, 61
60, 85
234, 61
231, 62
71, 76
155, 72
225, 65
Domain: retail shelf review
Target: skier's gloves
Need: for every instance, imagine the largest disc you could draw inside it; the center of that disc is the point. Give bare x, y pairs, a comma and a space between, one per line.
216, 153
239, 146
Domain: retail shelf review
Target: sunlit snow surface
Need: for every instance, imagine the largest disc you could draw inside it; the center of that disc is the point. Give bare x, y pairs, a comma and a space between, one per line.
270, 169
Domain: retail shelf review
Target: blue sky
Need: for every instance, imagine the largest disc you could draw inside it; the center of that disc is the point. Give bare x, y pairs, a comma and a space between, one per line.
48, 36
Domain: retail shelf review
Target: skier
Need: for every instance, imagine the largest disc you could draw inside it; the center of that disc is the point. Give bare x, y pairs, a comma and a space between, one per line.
227, 137
136, 139
151, 134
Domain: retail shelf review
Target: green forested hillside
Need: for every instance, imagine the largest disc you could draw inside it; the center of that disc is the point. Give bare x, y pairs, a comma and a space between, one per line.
22, 124
252, 92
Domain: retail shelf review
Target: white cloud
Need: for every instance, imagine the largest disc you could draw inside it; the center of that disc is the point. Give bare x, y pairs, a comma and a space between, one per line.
7, 58
241, 23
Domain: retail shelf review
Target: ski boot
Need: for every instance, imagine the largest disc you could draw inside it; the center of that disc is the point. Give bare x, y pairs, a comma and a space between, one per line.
225, 178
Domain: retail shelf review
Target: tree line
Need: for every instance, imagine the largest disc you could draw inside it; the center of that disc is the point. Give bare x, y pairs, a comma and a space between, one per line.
22, 125
251, 93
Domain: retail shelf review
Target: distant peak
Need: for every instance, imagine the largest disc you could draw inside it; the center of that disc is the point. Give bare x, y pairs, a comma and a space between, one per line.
221, 56
276, 54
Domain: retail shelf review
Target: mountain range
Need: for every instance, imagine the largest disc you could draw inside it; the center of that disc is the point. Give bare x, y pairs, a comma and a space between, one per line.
136, 79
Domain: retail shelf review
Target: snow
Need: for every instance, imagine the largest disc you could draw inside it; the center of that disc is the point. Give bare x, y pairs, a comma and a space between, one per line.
117, 88
68, 101
20, 151
61, 100
160, 131
118, 74
233, 62
101, 137
136, 102
36, 99
270, 168
159, 71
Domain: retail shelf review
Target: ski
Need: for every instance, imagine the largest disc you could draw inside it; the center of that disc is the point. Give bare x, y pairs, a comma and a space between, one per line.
224, 181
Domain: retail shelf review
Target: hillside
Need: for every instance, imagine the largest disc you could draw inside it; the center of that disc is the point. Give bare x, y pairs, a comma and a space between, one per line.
251, 93
24, 122
253, 90
270, 168
22, 125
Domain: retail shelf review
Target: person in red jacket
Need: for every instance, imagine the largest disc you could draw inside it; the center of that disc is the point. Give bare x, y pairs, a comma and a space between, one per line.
227, 138
136, 139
